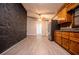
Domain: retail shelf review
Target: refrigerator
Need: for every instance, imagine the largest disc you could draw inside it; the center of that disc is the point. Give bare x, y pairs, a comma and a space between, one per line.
52, 26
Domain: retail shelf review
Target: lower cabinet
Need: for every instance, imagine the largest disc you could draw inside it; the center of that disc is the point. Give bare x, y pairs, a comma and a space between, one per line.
65, 43
58, 37
65, 40
69, 41
74, 47
58, 40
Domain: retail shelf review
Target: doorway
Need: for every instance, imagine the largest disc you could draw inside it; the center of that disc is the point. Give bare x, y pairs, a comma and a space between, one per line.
39, 27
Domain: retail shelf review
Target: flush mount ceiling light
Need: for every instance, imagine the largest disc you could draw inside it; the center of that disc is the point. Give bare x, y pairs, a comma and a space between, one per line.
46, 16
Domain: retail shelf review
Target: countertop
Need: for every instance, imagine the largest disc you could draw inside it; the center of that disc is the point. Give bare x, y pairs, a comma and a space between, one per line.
69, 29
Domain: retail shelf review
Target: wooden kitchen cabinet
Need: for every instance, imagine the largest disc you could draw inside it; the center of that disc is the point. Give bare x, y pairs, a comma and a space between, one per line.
58, 37
69, 17
64, 14
75, 35
65, 34
74, 47
71, 6
65, 40
74, 39
58, 40
65, 43
74, 43
68, 40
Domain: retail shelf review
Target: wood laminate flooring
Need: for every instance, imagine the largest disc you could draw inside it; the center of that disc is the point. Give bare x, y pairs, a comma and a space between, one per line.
33, 45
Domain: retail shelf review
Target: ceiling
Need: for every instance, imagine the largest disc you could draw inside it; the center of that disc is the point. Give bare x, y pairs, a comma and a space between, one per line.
43, 8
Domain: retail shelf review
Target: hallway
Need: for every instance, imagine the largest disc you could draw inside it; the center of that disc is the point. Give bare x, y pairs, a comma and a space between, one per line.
35, 46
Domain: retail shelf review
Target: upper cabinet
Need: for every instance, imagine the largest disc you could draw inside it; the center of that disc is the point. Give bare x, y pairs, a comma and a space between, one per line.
71, 6
63, 15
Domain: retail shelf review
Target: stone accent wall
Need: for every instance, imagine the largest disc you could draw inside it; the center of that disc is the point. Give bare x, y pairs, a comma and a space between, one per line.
12, 24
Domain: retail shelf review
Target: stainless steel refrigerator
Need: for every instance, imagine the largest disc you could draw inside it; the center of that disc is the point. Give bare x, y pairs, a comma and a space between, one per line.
52, 26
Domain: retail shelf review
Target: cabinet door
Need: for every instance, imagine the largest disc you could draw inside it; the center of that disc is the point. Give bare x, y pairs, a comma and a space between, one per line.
58, 39
65, 43
74, 47
71, 6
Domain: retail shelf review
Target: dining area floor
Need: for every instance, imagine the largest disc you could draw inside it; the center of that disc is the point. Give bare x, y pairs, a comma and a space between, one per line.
36, 45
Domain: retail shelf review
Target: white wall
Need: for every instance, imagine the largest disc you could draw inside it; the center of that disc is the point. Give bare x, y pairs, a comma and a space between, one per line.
31, 26
31, 23
45, 28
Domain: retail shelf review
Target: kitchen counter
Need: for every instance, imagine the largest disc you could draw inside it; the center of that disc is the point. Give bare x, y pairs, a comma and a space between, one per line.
69, 29
68, 38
